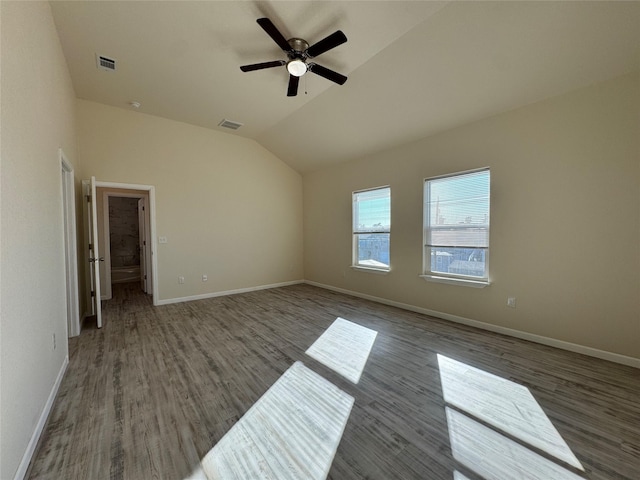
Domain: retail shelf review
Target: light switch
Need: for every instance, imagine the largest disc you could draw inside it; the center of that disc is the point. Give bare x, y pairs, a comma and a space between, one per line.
162, 239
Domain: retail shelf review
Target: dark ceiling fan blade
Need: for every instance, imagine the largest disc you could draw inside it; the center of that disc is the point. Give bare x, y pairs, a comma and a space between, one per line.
327, 43
292, 91
260, 66
268, 26
326, 73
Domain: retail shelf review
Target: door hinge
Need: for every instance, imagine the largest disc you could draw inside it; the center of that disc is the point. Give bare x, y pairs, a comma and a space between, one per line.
93, 294
145, 277
88, 198
91, 246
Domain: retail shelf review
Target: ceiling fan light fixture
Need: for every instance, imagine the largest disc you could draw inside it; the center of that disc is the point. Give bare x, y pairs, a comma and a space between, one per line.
297, 67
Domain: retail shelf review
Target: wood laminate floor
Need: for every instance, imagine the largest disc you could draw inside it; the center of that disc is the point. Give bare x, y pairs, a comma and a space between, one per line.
150, 393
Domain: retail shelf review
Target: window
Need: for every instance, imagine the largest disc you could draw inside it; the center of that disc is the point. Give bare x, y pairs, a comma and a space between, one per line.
456, 228
371, 228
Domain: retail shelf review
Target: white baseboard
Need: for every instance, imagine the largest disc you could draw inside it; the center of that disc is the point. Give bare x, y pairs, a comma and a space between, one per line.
33, 443
552, 342
226, 292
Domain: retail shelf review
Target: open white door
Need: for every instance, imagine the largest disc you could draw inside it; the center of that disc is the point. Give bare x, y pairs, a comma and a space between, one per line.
148, 246
142, 234
93, 258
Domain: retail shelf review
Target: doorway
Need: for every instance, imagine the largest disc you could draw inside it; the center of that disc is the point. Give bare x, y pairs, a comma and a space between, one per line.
124, 231
94, 242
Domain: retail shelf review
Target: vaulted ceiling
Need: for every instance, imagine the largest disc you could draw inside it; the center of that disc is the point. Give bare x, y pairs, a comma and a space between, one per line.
415, 68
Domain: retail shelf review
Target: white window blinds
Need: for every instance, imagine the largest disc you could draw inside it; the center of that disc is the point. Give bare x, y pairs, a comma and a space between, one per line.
371, 211
458, 211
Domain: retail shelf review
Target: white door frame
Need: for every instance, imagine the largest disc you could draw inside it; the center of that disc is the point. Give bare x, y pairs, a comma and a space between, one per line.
106, 249
152, 220
70, 245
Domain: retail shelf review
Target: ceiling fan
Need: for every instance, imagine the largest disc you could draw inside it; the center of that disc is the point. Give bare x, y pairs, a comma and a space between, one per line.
298, 51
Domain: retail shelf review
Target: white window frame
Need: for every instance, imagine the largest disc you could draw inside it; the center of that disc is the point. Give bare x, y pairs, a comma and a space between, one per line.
355, 263
451, 278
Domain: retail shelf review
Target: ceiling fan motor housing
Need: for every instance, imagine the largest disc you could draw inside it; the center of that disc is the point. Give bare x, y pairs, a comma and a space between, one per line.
299, 46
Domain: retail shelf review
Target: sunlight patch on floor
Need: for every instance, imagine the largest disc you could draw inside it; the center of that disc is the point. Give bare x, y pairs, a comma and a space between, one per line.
344, 347
291, 432
504, 404
496, 457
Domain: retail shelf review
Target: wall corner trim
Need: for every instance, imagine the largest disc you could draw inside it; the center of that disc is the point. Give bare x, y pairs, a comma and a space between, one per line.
42, 421
551, 342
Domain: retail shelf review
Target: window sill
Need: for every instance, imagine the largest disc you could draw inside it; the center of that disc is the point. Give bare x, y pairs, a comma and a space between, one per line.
378, 271
456, 281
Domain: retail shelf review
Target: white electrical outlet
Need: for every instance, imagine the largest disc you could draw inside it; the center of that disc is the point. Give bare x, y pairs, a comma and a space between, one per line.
204, 278
180, 279
162, 239
511, 302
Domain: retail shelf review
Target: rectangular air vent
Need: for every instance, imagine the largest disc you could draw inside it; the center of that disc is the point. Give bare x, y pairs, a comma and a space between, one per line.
105, 63
230, 124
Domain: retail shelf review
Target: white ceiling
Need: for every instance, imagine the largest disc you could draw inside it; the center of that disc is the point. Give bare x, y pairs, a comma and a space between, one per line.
415, 68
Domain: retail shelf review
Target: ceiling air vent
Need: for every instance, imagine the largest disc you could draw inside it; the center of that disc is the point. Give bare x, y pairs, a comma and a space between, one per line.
105, 63
230, 124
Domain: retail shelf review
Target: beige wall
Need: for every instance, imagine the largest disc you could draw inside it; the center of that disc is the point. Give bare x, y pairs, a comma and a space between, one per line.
37, 117
228, 207
565, 218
